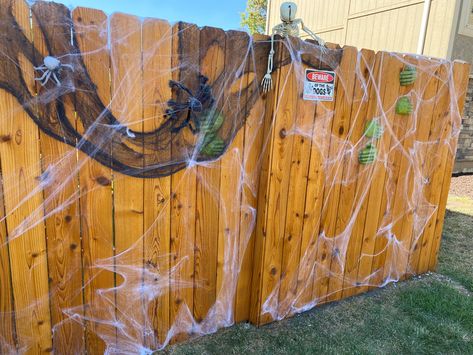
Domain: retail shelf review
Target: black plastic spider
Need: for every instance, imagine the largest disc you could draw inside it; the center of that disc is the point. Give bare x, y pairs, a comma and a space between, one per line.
194, 105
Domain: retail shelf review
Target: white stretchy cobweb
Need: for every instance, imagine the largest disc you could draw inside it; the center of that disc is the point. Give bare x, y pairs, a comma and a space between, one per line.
93, 259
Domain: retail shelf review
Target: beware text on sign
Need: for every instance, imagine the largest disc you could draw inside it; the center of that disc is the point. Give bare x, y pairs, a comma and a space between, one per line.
319, 85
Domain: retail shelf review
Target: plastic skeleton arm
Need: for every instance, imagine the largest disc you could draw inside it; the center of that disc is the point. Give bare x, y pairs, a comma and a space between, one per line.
267, 83
312, 34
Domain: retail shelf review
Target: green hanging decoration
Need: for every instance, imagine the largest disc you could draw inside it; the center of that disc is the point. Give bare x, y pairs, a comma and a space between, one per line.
404, 106
211, 144
373, 129
368, 155
214, 148
408, 76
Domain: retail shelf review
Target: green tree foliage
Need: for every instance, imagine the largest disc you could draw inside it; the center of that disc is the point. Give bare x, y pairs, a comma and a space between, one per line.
254, 17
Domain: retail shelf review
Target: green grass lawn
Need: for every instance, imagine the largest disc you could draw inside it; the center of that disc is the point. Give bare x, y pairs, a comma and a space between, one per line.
431, 314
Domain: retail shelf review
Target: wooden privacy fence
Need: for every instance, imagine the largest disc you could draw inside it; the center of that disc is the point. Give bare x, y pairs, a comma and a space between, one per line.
158, 193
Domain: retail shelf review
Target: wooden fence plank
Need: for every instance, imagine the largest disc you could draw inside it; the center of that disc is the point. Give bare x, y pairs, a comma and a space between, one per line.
255, 145
263, 192
302, 131
212, 65
20, 156
157, 71
390, 89
364, 174
95, 180
7, 310
459, 76
402, 216
236, 51
428, 74
334, 261
185, 53
388, 238
128, 199
341, 110
314, 199
347, 204
278, 188
433, 177
61, 201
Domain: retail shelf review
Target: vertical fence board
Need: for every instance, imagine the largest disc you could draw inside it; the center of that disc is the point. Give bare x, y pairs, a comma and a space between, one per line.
230, 176
305, 114
368, 110
212, 65
185, 53
61, 200
128, 199
347, 205
7, 316
388, 238
20, 156
389, 88
355, 174
263, 193
433, 176
314, 199
340, 129
157, 46
365, 172
278, 188
459, 75
427, 89
91, 34
338, 112
255, 147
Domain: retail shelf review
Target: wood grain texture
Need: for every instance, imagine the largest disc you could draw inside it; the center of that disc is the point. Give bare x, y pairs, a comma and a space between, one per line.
212, 65
127, 104
7, 309
185, 52
256, 143
330, 259
95, 181
305, 114
394, 201
278, 188
433, 177
389, 88
263, 193
20, 156
459, 76
351, 282
414, 224
62, 216
156, 48
347, 206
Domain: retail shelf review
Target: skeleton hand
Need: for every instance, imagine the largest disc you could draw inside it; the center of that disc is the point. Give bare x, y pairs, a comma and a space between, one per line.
267, 83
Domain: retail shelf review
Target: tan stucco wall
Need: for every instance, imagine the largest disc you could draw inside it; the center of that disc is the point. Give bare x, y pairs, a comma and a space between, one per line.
391, 25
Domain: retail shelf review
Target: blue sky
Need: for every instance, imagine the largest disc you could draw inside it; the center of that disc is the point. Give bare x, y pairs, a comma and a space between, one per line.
218, 13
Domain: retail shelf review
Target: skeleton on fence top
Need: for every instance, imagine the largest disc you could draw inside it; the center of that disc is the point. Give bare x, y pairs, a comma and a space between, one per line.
288, 27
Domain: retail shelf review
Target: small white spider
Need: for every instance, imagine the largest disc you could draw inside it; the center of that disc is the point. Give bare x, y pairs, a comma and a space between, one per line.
51, 67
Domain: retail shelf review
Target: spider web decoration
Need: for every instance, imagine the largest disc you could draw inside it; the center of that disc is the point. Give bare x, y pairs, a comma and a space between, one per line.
153, 192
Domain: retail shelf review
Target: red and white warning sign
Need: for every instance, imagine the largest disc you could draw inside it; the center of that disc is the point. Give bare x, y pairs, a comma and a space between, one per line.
319, 85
